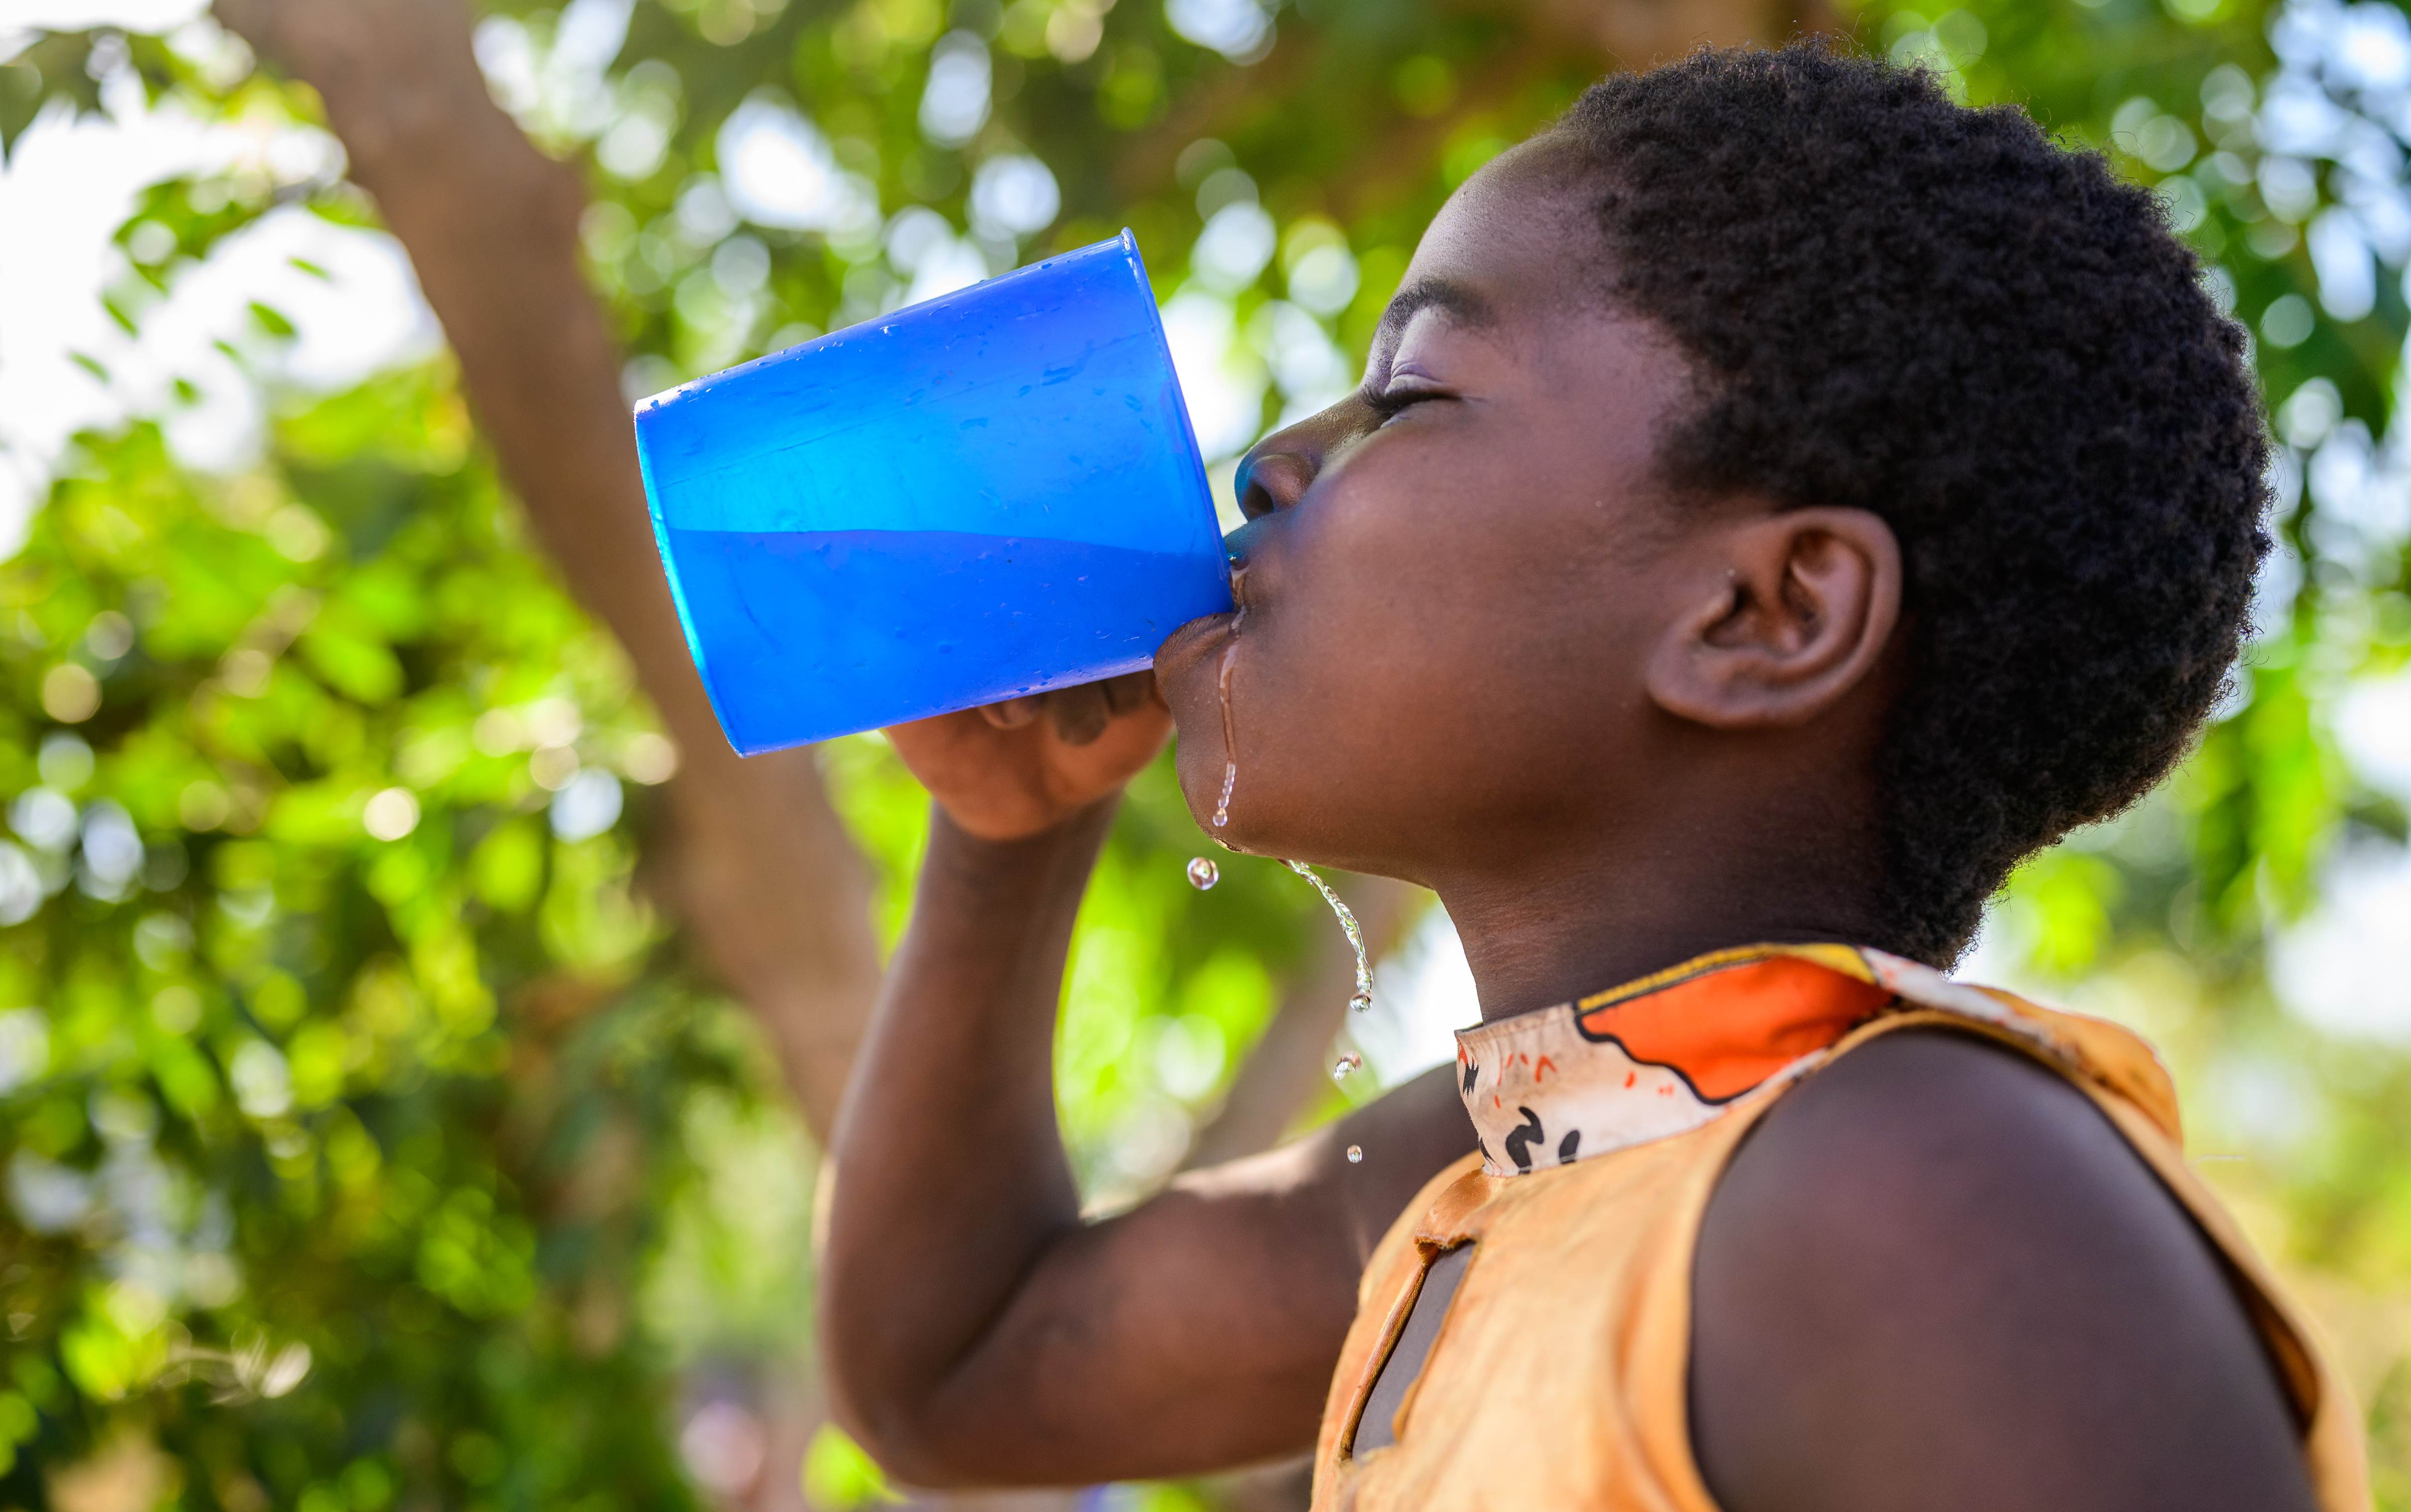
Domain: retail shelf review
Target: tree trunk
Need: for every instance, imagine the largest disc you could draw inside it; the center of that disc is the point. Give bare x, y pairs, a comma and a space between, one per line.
761, 874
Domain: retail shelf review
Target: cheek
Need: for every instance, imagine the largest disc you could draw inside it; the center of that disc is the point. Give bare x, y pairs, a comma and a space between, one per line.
1462, 560
1442, 597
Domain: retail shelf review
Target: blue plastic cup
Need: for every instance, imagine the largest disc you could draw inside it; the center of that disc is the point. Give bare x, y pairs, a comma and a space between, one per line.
985, 495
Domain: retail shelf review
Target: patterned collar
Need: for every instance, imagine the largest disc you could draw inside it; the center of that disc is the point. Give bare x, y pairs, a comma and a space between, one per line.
1667, 1054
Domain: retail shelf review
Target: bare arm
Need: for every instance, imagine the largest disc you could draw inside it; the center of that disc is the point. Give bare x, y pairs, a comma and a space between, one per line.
977, 1329
1937, 1277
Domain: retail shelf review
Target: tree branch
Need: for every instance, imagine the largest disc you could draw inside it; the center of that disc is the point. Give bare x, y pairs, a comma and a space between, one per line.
1612, 34
764, 876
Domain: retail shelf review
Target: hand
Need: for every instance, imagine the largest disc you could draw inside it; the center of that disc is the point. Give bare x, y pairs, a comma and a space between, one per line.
1013, 769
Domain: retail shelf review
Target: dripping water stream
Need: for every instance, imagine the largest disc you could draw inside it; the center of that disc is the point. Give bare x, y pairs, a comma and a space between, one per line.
1230, 745
1363, 997
1204, 877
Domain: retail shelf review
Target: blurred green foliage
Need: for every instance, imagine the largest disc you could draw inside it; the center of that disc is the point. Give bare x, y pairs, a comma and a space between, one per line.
367, 1139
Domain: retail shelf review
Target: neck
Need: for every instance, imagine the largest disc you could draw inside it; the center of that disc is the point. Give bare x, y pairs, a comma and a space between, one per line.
1552, 934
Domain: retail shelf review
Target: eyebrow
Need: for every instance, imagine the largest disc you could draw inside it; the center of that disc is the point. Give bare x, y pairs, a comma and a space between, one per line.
1458, 302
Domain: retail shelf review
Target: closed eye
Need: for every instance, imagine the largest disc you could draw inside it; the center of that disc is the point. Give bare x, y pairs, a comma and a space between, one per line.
1391, 402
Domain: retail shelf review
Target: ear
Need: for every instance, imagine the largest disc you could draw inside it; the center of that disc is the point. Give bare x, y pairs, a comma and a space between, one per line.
1788, 612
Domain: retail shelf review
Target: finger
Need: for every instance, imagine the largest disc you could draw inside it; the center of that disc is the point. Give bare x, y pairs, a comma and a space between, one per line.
1127, 691
1012, 712
1079, 713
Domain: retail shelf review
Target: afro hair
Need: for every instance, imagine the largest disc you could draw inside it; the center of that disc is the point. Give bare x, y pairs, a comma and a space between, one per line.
1897, 303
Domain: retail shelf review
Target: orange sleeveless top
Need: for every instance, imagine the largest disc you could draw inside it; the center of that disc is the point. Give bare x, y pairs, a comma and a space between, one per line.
1603, 1128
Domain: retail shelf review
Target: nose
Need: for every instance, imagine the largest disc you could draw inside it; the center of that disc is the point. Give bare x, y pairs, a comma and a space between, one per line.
1270, 480
1277, 471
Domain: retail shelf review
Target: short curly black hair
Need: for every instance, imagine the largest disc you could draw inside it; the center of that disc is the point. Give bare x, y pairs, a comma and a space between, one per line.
1897, 303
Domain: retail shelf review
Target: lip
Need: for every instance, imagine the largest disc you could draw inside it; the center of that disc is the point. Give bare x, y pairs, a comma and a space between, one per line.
1191, 642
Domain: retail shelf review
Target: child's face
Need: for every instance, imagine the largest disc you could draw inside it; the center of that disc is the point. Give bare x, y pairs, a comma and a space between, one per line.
1452, 577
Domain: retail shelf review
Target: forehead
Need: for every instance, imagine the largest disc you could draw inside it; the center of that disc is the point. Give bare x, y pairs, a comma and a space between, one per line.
1516, 236
1515, 259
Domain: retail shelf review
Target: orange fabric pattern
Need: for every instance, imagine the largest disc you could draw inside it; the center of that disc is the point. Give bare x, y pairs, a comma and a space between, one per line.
1661, 1055
1729, 1027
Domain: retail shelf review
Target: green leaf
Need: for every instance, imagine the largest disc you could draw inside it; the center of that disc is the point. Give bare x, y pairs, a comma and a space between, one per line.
839, 1477
270, 320
53, 67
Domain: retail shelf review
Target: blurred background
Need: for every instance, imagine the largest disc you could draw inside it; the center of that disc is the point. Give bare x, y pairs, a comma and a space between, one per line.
415, 1025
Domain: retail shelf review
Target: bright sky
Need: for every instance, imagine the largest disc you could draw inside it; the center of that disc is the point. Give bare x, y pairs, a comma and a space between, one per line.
66, 188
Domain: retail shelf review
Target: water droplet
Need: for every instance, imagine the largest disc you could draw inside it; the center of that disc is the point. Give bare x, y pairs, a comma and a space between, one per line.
1222, 808
1203, 873
1363, 997
1347, 1066
1355, 1155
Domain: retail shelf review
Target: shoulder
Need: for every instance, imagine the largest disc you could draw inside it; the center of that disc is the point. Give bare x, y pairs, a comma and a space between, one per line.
1935, 1274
